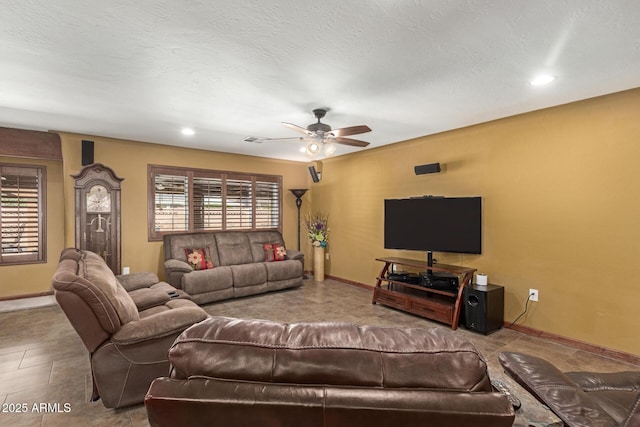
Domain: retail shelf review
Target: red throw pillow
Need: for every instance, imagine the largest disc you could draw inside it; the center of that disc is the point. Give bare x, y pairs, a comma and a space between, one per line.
198, 258
274, 252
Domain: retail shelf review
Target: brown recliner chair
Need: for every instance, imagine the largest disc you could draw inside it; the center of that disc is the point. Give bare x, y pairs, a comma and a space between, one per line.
127, 323
580, 399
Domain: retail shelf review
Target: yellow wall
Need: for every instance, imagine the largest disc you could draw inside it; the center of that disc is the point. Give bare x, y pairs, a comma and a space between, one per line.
129, 160
36, 278
561, 209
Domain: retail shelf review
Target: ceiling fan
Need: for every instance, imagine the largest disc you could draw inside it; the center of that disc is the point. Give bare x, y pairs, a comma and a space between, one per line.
321, 136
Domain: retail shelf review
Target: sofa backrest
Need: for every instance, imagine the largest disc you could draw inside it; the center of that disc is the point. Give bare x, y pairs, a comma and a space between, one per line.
257, 240
328, 353
234, 247
175, 244
91, 296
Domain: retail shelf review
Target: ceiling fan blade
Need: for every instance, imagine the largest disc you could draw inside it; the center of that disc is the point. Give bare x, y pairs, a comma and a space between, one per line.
351, 130
298, 128
349, 141
260, 139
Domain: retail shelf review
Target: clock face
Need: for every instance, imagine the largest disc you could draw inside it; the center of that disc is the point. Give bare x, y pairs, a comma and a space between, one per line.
98, 199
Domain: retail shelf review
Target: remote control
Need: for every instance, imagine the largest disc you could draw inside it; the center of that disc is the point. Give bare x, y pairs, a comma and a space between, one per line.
502, 388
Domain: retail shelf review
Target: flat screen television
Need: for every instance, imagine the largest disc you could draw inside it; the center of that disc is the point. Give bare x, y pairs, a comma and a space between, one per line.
440, 224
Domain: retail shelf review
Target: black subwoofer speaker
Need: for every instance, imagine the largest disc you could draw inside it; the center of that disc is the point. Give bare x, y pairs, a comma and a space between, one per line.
483, 308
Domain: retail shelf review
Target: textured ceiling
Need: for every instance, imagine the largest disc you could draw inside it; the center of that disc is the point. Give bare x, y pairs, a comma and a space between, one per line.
143, 69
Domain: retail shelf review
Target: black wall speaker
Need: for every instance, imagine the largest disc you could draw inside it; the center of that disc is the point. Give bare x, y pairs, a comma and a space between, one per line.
314, 174
483, 307
424, 169
87, 152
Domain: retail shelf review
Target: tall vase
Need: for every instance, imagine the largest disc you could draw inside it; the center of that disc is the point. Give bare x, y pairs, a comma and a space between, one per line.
318, 263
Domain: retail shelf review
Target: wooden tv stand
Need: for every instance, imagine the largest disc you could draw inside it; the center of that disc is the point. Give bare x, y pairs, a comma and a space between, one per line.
433, 304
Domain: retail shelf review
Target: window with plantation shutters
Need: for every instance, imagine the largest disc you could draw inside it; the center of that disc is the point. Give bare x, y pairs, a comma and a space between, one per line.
22, 214
207, 203
191, 200
239, 204
267, 203
171, 203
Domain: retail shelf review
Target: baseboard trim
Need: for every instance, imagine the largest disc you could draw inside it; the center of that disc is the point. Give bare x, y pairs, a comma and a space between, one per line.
569, 342
349, 282
580, 345
38, 294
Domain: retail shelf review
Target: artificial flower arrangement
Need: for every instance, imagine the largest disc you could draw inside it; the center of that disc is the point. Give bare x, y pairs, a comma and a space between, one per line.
317, 229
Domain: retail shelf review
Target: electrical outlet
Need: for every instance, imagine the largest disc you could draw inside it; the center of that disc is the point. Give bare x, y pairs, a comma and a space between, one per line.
533, 294
125, 270
326, 255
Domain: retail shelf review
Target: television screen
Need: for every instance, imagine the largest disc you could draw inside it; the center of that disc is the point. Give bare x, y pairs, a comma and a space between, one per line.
442, 224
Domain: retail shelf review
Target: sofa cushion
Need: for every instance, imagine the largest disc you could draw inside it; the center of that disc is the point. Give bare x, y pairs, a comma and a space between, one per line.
328, 353
93, 268
274, 252
174, 245
199, 258
233, 248
147, 297
257, 240
248, 275
201, 281
283, 270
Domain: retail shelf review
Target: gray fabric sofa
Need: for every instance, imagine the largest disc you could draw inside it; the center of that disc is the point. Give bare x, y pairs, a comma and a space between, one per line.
239, 266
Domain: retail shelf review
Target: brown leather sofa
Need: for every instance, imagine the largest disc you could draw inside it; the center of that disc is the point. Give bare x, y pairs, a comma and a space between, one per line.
580, 399
239, 266
233, 372
127, 323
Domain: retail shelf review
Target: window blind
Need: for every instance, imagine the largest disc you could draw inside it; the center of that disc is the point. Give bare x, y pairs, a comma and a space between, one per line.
171, 203
185, 200
22, 214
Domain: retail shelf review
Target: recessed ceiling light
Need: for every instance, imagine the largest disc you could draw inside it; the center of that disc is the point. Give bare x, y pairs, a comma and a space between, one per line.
542, 80
188, 131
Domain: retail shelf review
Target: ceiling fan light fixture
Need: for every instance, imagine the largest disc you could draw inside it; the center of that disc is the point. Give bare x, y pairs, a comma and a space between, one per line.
312, 149
320, 136
329, 149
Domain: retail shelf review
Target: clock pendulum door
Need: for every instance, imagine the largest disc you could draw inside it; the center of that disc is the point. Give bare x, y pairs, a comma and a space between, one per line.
98, 235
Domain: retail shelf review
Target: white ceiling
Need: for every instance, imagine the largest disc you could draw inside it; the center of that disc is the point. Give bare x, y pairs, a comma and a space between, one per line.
143, 69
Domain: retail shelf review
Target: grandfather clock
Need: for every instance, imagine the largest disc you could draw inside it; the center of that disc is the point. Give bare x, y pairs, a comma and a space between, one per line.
97, 194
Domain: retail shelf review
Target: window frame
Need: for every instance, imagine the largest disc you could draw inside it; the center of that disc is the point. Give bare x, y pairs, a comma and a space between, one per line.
12, 258
226, 178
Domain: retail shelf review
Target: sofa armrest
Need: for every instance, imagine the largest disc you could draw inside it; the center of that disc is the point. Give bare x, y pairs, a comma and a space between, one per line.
159, 325
177, 265
555, 389
174, 269
134, 281
293, 254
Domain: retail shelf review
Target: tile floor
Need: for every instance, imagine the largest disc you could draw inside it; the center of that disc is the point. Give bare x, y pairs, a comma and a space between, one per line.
42, 360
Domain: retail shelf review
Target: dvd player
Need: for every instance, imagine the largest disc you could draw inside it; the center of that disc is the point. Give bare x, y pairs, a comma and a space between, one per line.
405, 277
440, 281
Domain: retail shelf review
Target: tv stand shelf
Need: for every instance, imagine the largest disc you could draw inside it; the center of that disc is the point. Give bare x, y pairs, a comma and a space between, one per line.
433, 304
